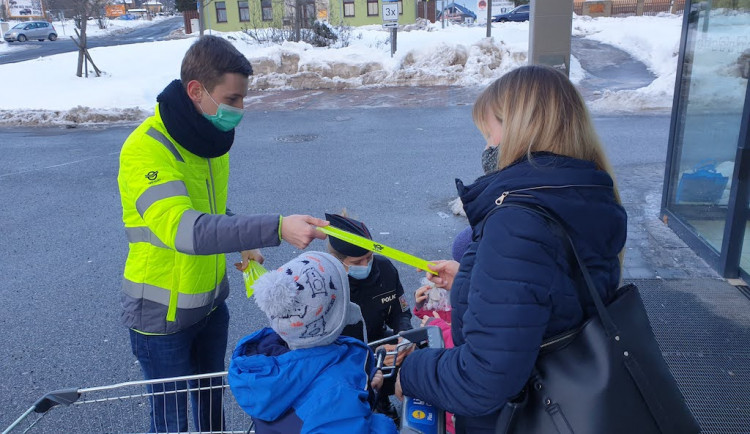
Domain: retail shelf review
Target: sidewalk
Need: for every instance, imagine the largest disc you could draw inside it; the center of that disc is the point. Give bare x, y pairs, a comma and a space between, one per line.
702, 323
703, 329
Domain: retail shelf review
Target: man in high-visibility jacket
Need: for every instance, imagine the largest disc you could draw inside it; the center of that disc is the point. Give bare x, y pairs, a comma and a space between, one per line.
173, 178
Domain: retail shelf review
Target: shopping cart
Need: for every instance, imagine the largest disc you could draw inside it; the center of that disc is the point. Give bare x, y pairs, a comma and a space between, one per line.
417, 416
126, 407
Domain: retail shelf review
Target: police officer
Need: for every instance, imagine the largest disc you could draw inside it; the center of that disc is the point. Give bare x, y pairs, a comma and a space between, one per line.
374, 284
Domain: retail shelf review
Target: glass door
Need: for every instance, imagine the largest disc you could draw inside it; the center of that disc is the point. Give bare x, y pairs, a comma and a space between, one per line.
711, 99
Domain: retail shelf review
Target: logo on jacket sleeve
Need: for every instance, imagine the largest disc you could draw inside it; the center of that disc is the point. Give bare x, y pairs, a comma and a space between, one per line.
152, 175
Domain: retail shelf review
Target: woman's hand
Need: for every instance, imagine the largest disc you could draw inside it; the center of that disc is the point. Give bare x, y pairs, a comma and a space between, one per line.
377, 380
405, 351
399, 393
446, 272
247, 256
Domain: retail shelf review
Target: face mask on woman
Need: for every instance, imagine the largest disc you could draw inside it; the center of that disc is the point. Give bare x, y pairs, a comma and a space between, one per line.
360, 272
489, 159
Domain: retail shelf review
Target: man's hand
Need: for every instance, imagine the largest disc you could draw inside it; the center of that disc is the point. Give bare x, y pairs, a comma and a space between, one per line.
299, 230
446, 270
377, 380
247, 256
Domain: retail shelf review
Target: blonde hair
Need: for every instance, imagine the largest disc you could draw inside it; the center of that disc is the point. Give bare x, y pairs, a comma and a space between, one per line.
540, 110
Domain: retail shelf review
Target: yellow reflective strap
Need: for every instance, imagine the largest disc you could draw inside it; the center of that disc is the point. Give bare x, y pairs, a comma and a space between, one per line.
253, 271
376, 247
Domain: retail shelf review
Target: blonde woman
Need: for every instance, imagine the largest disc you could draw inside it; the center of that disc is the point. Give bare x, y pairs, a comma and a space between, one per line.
514, 286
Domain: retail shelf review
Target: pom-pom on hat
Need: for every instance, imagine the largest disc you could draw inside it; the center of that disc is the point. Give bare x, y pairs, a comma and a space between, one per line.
307, 300
349, 225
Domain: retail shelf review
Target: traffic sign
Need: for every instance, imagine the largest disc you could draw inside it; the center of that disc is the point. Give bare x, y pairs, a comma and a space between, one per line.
390, 25
390, 11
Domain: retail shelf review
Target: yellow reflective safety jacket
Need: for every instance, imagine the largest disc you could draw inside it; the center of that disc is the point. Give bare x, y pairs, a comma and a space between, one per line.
174, 210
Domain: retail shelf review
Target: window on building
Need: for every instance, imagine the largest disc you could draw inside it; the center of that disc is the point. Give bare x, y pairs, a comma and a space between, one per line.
244, 11
400, 7
372, 8
266, 10
221, 12
348, 8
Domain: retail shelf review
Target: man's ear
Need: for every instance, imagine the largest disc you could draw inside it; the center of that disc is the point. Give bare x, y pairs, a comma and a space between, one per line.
195, 91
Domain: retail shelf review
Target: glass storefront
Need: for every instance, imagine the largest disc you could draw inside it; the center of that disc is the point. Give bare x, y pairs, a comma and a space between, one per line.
704, 195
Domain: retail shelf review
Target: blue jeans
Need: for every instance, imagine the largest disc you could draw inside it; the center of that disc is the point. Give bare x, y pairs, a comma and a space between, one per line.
199, 349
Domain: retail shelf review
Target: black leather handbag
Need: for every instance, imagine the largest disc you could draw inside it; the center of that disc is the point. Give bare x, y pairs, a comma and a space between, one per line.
607, 376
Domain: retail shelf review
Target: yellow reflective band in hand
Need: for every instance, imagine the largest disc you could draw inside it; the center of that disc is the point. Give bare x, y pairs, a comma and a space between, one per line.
253, 271
376, 247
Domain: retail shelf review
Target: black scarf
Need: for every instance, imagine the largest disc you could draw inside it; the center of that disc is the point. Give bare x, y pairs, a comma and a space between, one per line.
189, 127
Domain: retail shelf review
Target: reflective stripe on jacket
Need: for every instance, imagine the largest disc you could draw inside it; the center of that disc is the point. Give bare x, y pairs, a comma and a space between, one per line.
164, 190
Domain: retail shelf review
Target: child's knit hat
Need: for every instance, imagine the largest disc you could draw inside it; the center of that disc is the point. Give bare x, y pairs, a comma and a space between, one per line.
307, 300
461, 244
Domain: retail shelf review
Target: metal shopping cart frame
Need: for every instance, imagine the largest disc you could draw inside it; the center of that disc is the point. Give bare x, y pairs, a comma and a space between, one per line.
417, 416
125, 407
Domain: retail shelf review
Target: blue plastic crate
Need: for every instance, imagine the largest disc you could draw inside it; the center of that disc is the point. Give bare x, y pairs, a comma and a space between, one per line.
703, 185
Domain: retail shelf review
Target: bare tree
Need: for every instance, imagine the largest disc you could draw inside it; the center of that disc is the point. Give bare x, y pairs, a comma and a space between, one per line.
82, 10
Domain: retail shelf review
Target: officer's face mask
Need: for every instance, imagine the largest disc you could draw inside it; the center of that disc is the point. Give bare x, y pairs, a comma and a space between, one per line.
360, 272
226, 117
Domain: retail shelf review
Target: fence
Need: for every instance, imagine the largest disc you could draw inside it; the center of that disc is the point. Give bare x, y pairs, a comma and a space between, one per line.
630, 7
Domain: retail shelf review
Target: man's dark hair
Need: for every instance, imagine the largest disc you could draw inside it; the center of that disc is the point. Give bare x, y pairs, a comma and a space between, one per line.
209, 58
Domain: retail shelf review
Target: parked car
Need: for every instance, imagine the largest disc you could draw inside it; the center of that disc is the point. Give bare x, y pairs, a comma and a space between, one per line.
22, 32
520, 13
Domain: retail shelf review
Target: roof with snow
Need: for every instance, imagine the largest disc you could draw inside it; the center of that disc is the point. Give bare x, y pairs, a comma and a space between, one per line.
455, 8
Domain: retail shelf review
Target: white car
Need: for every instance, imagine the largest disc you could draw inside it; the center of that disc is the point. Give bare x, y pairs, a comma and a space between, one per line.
22, 32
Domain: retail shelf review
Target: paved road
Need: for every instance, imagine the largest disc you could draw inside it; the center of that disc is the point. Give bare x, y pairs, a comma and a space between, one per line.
62, 246
34, 49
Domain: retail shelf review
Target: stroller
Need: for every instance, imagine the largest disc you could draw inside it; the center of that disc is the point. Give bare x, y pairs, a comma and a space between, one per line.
124, 407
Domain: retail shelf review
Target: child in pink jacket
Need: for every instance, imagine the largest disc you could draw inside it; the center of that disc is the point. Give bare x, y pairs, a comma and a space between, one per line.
433, 305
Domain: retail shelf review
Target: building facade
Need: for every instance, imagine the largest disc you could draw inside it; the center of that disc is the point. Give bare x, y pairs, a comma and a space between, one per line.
236, 15
707, 179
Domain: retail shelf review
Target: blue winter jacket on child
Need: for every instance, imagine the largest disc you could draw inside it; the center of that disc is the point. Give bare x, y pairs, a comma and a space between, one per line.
516, 286
311, 390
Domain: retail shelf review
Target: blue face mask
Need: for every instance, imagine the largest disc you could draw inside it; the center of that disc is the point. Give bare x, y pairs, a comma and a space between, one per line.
226, 117
360, 272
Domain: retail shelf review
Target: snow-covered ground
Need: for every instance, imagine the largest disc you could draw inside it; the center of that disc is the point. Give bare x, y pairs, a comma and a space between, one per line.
427, 55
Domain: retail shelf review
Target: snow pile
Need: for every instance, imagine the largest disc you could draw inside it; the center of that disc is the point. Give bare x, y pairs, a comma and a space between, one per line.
654, 40
427, 55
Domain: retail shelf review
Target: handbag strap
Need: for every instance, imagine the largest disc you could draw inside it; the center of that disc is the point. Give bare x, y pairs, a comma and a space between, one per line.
609, 325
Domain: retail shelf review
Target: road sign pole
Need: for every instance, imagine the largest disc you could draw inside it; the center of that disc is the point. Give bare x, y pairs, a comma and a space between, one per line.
394, 33
442, 14
489, 18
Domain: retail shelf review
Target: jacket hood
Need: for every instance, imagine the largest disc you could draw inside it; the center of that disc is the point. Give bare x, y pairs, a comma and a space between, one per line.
575, 190
268, 379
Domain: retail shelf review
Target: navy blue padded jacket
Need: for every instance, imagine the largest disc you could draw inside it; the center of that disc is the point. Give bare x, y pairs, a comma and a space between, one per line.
515, 286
